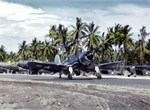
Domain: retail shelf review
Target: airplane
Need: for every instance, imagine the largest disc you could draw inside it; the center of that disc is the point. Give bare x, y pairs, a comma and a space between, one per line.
82, 62
3, 70
139, 69
8, 67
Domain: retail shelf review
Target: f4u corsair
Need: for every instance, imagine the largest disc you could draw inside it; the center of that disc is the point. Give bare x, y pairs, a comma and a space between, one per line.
73, 65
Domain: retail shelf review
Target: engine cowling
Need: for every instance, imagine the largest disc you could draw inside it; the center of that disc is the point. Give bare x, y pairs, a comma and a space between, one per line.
86, 58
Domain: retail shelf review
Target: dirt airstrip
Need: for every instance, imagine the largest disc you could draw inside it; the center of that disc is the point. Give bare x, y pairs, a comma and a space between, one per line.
62, 96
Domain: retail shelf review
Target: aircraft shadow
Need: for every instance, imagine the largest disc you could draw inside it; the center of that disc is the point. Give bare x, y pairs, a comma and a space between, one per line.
74, 79
64, 79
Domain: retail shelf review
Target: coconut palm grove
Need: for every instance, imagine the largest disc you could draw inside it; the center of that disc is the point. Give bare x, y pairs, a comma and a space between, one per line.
114, 45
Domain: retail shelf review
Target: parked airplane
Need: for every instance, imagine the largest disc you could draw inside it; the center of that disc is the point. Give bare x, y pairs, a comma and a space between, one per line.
138, 70
73, 65
8, 67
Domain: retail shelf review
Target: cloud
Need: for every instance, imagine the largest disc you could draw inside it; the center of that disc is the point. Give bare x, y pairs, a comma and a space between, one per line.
129, 14
17, 12
124, 14
21, 22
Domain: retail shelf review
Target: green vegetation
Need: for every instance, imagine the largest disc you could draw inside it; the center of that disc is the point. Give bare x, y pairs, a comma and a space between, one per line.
115, 45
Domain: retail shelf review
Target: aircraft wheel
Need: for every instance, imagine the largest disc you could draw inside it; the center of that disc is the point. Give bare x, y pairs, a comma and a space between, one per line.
70, 76
60, 75
99, 75
40, 73
32, 72
98, 72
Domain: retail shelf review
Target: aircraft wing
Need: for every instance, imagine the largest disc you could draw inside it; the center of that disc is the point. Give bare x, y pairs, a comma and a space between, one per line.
3, 70
35, 65
147, 67
138, 67
8, 66
111, 65
54, 67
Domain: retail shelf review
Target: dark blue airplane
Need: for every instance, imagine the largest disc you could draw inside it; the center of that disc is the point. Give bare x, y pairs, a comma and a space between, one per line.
73, 65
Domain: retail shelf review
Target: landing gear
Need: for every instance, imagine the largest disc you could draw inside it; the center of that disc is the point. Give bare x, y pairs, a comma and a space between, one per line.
99, 75
60, 75
98, 72
70, 74
32, 72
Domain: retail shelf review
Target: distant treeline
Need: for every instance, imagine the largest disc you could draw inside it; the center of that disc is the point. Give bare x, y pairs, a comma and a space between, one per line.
114, 45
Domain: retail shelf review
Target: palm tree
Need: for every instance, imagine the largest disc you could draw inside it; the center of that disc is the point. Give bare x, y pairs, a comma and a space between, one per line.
76, 34
48, 51
106, 48
147, 55
52, 33
2, 53
143, 35
122, 36
91, 37
60, 40
35, 49
125, 39
62, 37
111, 44
11, 57
23, 51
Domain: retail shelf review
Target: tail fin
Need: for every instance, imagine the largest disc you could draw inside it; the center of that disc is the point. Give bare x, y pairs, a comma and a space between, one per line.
57, 59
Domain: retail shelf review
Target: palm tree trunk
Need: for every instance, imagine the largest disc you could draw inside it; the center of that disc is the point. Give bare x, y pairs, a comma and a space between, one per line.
103, 51
142, 51
125, 53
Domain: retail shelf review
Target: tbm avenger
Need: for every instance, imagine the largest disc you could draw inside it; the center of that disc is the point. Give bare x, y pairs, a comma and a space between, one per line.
74, 65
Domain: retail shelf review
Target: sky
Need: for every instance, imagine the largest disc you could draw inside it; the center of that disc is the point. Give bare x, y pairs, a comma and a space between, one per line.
26, 19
